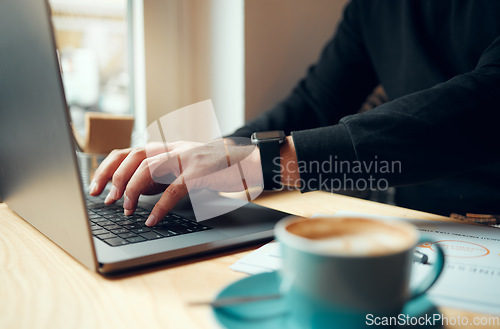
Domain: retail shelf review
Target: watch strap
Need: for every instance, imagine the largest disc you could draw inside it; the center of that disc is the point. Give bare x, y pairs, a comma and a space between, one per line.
271, 164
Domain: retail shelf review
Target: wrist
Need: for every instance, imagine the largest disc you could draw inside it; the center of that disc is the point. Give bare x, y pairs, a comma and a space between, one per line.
289, 164
269, 144
251, 169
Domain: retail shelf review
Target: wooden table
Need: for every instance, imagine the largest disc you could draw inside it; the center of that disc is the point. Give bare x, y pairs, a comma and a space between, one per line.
43, 287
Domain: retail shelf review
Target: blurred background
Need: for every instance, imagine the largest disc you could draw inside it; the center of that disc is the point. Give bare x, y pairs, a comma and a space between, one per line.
150, 57
93, 45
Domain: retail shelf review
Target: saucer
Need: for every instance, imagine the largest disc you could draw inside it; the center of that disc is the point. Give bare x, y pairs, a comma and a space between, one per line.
271, 314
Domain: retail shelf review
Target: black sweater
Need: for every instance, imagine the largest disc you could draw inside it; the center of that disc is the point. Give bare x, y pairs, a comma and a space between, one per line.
439, 63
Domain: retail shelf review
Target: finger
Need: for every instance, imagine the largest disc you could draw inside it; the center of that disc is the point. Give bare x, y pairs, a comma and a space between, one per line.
104, 172
155, 148
123, 174
139, 182
173, 194
163, 165
144, 177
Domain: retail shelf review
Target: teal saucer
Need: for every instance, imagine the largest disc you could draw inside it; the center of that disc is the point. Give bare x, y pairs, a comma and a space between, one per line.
271, 314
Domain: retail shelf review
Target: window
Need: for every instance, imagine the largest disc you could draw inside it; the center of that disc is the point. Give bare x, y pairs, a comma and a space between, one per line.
92, 42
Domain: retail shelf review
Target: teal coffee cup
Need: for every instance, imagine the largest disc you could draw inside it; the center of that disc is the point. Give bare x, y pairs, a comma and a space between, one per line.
337, 271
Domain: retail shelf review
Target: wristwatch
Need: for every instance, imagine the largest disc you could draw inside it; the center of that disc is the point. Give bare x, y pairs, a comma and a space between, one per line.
268, 143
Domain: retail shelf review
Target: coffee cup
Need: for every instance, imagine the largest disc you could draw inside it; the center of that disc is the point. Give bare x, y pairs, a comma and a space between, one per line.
339, 270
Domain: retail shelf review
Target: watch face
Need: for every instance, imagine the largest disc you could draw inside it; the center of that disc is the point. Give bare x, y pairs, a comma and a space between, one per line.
269, 135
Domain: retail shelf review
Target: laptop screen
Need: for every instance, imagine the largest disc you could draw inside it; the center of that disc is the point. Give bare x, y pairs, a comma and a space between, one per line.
39, 178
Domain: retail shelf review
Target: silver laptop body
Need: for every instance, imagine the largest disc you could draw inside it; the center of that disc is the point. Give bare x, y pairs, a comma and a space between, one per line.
39, 174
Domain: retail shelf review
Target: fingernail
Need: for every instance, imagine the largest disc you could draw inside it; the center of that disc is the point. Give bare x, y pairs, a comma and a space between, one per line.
127, 204
128, 212
112, 195
151, 220
93, 188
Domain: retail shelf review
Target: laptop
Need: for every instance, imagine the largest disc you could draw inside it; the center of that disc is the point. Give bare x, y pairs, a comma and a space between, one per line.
40, 179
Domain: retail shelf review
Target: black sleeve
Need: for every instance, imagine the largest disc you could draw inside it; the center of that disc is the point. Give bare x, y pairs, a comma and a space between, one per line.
334, 87
440, 131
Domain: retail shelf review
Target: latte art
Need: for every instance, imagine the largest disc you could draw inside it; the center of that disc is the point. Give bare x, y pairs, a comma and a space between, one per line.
354, 236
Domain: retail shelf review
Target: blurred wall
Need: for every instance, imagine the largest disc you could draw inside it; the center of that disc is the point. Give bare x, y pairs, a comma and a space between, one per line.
187, 57
194, 52
282, 38
177, 54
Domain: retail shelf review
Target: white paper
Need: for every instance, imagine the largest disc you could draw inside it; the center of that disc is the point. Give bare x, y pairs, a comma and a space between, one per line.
265, 259
470, 279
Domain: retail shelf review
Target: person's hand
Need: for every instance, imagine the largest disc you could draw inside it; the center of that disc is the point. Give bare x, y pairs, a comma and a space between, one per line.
175, 168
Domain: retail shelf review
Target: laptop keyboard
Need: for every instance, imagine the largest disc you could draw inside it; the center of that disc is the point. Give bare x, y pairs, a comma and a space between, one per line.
109, 224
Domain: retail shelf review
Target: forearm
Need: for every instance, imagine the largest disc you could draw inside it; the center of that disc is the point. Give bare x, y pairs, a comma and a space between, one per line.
436, 132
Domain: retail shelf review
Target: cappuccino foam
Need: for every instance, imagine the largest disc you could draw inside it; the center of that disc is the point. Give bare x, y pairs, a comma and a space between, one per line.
354, 236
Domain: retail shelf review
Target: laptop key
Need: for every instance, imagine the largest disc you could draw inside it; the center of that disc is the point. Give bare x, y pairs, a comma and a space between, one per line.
105, 223
95, 206
142, 212
97, 220
114, 207
106, 212
111, 227
181, 229
164, 223
118, 217
116, 242
134, 226
106, 236
127, 235
136, 218
136, 239
118, 220
141, 230
151, 235
100, 231
165, 231
119, 231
